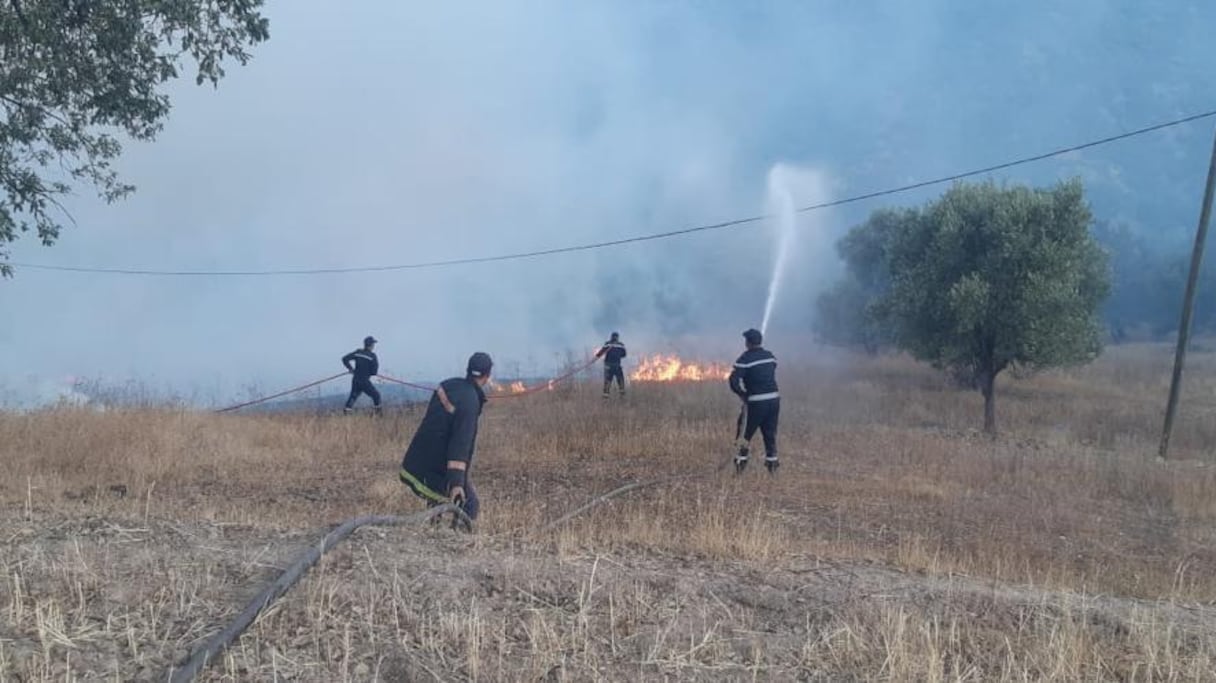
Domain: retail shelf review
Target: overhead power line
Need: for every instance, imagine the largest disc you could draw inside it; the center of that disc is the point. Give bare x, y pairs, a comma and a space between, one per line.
629, 240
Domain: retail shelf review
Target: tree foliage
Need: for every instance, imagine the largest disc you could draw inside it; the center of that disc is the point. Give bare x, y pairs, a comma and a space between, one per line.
75, 75
986, 278
1148, 275
847, 314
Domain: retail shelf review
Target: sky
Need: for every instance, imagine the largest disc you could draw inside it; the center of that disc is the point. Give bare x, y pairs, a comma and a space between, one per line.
381, 133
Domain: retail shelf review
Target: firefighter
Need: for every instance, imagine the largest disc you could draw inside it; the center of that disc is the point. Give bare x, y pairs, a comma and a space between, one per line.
363, 365
754, 380
437, 464
613, 351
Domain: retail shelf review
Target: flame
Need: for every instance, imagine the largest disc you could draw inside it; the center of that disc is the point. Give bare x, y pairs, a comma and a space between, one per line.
671, 368
516, 387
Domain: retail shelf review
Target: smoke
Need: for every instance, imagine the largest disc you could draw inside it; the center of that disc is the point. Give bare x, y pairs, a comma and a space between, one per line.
38, 392
388, 133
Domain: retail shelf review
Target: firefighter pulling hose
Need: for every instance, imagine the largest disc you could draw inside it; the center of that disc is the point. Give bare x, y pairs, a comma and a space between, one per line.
437, 464
613, 352
363, 365
547, 385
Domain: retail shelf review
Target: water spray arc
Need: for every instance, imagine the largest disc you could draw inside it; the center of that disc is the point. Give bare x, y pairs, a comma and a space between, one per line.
783, 212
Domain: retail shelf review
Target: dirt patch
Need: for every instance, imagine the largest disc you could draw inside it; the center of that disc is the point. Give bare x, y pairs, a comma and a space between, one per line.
121, 599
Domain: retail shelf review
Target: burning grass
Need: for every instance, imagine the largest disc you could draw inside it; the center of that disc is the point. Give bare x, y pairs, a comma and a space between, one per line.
898, 543
672, 368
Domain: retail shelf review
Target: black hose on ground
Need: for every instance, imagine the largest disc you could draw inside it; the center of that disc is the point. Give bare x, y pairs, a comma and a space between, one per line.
220, 641
198, 661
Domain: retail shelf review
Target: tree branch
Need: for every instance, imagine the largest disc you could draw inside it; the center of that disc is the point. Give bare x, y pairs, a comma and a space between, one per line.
20, 14
49, 113
50, 197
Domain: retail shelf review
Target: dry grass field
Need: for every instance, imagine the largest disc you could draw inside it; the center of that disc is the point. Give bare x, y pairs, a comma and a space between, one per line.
897, 543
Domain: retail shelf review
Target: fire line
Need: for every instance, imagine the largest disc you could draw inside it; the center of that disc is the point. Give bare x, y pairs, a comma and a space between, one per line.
672, 368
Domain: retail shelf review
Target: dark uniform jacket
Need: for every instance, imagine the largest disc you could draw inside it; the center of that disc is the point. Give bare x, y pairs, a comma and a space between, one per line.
448, 432
365, 363
755, 375
613, 352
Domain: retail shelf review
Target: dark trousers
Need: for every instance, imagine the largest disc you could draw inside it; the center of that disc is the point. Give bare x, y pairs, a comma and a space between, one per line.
363, 385
614, 372
760, 415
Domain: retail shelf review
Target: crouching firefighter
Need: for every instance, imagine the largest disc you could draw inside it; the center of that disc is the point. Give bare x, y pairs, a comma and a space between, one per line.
613, 352
437, 463
754, 380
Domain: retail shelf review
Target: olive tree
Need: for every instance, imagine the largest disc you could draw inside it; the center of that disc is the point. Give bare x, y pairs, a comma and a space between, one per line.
988, 277
75, 75
847, 314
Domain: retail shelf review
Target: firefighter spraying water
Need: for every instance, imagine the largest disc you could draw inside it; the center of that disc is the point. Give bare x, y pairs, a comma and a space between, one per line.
754, 380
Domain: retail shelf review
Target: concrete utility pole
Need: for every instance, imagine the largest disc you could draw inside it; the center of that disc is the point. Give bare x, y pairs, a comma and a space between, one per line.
1188, 304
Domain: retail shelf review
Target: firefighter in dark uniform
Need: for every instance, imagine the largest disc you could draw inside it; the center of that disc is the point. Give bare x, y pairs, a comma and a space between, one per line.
363, 365
613, 352
437, 464
754, 380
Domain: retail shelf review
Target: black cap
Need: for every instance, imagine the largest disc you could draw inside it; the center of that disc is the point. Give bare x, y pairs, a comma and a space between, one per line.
753, 337
369, 340
480, 364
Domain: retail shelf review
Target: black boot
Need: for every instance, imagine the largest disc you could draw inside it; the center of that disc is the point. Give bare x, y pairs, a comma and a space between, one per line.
741, 460
771, 464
